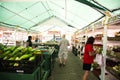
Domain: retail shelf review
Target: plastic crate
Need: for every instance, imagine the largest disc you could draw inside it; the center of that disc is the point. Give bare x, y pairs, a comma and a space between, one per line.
19, 76
24, 66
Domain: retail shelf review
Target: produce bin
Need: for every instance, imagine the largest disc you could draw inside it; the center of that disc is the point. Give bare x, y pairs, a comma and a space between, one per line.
49, 45
47, 58
44, 73
47, 63
20, 76
19, 66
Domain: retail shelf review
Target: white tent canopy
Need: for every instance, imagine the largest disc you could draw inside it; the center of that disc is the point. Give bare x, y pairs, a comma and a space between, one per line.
75, 14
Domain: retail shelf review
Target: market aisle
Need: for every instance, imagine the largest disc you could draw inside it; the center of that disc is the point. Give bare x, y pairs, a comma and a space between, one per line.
72, 70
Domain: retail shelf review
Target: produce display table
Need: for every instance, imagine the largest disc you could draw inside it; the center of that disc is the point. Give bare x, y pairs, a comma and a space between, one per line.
53, 45
20, 76
39, 68
47, 64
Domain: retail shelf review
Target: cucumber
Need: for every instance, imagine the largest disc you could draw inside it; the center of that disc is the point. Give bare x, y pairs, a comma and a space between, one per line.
25, 56
5, 58
12, 58
29, 49
37, 52
12, 48
17, 50
16, 64
17, 58
24, 50
7, 49
6, 53
32, 58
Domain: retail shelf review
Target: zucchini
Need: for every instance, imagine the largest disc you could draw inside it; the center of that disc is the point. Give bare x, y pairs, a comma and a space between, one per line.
12, 58
17, 50
6, 53
25, 56
17, 58
5, 58
16, 64
32, 58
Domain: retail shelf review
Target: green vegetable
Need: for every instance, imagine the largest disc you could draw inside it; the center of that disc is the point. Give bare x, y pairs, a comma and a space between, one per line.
32, 58
12, 48
37, 52
29, 49
16, 64
6, 53
5, 58
25, 56
17, 58
24, 50
7, 48
17, 50
12, 58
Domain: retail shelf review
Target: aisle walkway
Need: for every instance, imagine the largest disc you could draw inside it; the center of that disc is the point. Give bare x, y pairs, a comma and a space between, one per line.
72, 70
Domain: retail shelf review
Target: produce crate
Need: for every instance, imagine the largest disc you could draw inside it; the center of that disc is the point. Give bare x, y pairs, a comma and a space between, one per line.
19, 66
47, 58
20, 76
45, 68
46, 74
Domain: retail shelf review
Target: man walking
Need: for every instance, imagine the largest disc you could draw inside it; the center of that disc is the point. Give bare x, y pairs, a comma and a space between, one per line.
63, 51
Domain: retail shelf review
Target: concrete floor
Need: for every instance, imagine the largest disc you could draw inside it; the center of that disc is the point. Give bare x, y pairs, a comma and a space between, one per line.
72, 70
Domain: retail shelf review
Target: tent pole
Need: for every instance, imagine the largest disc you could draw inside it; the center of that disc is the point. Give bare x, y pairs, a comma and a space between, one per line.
105, 24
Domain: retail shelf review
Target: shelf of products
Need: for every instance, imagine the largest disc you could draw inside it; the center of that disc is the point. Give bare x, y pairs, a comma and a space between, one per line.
113, 53
114, 71
113, 45
113, 62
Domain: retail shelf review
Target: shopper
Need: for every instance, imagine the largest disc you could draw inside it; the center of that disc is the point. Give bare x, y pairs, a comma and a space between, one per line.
88, 57
63, 51
29, 42
36, 42
82, 49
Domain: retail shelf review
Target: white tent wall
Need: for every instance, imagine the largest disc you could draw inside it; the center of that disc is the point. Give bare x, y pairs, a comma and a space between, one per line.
54, 24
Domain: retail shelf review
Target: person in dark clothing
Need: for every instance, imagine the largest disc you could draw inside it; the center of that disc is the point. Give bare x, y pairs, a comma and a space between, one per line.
36, 41
29, 42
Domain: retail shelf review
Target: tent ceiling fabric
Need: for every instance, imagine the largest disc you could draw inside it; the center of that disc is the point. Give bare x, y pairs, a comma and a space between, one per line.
75, 13
58, 25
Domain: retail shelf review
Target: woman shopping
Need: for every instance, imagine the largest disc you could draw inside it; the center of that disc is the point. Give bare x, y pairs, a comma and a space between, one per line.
88, 57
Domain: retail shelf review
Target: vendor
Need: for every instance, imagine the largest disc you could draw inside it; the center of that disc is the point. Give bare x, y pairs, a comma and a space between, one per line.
29, 42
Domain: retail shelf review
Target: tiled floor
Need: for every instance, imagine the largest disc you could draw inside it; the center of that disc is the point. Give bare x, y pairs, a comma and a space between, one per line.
73, 70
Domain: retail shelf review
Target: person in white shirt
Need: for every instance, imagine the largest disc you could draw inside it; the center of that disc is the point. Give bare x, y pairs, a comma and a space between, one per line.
63, 51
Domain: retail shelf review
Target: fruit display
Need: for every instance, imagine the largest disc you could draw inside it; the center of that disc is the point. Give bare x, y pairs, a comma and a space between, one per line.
113, 61
117, 34
113, 68
98, 36
13, 57
113, 38
21, 53
98, 48
116, 48
117, 68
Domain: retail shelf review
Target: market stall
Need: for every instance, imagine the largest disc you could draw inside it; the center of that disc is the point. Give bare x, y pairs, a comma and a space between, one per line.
48, 20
